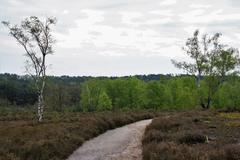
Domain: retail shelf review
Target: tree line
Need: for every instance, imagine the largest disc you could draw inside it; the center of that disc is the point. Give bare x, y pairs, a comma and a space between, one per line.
100, 94
174, 93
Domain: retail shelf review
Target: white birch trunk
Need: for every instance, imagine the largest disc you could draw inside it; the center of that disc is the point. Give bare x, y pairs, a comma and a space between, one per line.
40, 117
41, 102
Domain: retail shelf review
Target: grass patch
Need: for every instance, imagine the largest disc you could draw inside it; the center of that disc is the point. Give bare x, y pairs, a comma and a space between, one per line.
233, 123
193, 135
230, 115
60, 133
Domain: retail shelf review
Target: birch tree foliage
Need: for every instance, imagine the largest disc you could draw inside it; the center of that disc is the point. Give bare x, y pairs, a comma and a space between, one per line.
34, 35
196, 52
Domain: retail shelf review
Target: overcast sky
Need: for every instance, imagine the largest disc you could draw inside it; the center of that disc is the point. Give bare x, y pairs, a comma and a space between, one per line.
118, 37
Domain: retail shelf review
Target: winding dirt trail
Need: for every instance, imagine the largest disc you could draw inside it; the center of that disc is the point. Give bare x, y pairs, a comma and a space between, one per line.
119, 144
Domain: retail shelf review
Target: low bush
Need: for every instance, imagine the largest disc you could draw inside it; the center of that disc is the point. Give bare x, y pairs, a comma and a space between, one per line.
170, 151
232, 152
154, 136
192, 135
190, 138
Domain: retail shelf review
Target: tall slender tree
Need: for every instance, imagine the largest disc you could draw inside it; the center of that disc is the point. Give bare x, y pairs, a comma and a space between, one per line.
35, 37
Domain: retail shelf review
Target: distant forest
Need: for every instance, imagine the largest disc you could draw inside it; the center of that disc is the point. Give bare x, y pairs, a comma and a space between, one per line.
113, 93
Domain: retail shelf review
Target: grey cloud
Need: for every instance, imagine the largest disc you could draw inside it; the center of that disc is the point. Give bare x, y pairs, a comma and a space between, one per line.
113, 19
112, 66
90, 59
95, 33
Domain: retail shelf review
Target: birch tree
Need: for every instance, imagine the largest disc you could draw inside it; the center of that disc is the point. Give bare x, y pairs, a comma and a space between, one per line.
197, 50
211, 60
36, 39
197, 53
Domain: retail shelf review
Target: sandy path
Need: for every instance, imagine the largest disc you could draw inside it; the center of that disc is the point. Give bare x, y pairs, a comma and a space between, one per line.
119, 144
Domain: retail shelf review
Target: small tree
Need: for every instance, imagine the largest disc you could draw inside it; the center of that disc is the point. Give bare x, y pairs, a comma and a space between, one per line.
211, 60
156, 95
104, 102
35, 37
